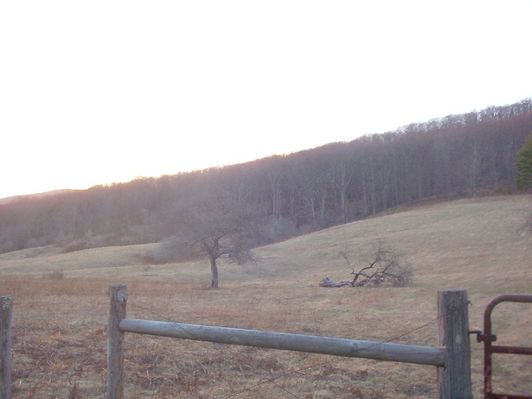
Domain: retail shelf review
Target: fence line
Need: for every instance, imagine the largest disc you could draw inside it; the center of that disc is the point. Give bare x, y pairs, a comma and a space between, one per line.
293, 342
452, 358
272, 379
304, 368
6, 306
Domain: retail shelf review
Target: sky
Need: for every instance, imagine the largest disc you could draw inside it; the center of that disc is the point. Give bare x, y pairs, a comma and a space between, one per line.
94, 92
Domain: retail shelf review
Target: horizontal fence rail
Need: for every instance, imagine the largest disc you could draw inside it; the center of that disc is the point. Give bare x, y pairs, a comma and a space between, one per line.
452, 357
294, 342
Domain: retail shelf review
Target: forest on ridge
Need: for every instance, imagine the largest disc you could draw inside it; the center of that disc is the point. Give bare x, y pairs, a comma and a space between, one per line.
457, 155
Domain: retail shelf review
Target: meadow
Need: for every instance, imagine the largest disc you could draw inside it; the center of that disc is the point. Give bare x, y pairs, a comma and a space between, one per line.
61, 309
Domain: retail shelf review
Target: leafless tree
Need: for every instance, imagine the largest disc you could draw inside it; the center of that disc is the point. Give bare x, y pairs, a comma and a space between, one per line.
218, 225
384, 269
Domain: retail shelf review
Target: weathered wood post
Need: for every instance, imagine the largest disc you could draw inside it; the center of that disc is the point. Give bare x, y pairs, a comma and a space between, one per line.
6, 306
455, 378
115, 353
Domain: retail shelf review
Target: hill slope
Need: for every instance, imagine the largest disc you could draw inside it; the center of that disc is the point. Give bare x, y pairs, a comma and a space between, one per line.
467, 243
474, 244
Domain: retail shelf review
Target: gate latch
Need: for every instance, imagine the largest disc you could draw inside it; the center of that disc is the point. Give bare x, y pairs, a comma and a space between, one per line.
481, 337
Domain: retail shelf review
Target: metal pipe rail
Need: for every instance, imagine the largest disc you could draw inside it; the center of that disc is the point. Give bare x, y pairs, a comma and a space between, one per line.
489, 349
434, 356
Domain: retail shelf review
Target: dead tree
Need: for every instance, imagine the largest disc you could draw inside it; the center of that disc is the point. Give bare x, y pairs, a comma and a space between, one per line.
385, 269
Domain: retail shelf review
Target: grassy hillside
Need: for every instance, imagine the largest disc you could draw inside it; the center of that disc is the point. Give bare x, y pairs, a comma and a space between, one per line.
467, 243
476, 244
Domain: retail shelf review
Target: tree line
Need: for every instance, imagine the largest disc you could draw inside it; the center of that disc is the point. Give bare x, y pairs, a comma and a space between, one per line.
458, 155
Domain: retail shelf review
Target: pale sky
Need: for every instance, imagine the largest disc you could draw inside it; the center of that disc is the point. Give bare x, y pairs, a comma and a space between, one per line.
97, 91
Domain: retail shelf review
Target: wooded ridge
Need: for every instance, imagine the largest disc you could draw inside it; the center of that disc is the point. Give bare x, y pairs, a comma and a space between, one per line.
458, 155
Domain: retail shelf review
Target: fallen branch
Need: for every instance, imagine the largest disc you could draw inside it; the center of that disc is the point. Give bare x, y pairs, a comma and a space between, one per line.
384, 269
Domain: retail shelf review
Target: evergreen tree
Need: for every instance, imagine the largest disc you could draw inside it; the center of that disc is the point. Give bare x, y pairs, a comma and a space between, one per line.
524, 165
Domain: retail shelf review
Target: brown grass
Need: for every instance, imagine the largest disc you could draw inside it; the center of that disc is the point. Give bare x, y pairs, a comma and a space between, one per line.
60, 323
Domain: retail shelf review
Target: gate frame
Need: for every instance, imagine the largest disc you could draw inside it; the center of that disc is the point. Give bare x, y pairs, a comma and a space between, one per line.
487, 338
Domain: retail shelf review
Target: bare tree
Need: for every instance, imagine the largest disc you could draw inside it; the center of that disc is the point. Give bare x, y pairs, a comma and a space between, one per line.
384, 269
216, 224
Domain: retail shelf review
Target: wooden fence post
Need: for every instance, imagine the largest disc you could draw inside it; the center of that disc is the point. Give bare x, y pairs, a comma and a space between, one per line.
455, 378
6, 306
115, 353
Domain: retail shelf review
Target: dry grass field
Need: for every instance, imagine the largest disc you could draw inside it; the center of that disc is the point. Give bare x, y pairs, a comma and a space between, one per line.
61, 307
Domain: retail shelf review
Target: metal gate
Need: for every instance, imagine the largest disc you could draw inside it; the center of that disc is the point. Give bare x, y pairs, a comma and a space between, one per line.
489, 349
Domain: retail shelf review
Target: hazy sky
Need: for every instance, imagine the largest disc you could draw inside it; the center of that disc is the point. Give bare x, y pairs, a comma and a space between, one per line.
100, 91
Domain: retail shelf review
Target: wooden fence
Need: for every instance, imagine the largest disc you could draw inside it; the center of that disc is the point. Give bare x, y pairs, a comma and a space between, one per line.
6, 306
452, 357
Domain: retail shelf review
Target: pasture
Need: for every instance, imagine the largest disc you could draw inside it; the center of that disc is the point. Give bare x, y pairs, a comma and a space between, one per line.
61, 309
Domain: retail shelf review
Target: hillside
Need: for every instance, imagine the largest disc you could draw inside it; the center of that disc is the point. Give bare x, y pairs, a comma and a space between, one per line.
454, 156
462, 242
476, 244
